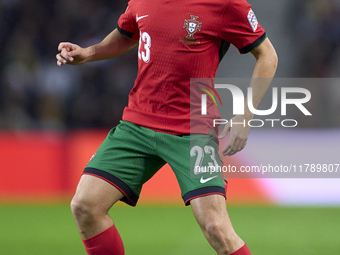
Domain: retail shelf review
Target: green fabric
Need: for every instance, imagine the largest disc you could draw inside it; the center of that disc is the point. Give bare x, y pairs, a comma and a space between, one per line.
134, 154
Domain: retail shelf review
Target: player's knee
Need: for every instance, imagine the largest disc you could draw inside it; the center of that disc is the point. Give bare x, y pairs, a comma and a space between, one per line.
214, 229
82, 209
217, 232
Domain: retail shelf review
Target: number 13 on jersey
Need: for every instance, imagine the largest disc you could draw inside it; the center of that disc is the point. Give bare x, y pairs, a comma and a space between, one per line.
144, 47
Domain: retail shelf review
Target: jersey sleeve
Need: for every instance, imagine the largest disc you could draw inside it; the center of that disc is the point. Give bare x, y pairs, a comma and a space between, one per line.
240, 27
127, 24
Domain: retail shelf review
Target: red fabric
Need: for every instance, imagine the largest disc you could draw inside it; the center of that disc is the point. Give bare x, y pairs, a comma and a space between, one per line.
242, 251
235, 27
107, 242
169, 55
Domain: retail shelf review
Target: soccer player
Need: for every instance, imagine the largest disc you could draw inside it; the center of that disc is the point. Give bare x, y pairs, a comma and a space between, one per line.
177, 40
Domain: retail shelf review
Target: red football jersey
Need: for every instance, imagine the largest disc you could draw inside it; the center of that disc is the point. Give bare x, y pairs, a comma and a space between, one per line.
179, 40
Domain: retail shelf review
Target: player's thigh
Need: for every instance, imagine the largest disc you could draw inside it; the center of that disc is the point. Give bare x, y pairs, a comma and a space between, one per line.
126, 159
95, 194
196, 164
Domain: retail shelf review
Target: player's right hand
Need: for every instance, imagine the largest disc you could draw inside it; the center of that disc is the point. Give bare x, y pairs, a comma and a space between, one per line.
238, 136
70, 54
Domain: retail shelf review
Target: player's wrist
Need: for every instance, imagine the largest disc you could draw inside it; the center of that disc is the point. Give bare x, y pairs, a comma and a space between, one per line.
246, 116
89, 54
249, 116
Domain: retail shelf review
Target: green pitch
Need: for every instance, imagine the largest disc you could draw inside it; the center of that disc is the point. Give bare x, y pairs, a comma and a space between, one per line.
151, 230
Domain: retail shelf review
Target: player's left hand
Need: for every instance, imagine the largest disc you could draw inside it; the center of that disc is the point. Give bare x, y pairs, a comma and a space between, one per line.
238, 135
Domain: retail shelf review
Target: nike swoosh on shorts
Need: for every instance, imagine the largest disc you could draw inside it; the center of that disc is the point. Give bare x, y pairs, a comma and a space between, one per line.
206, 180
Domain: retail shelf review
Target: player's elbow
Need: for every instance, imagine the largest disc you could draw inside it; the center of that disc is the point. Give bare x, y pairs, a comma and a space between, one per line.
266, 58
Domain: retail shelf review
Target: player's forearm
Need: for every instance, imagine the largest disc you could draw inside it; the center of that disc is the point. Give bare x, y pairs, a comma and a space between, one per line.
264, 71
112, 46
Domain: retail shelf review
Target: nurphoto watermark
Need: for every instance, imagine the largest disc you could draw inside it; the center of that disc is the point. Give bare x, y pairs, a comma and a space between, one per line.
284, 118
239, 105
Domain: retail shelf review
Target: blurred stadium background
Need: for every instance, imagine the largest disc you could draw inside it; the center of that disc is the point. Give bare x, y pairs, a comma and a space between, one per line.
52, 120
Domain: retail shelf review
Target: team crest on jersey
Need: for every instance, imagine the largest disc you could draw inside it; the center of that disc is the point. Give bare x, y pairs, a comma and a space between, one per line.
192, 26
252, 20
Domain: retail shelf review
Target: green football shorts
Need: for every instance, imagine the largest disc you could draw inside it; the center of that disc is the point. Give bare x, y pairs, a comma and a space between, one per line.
131, 154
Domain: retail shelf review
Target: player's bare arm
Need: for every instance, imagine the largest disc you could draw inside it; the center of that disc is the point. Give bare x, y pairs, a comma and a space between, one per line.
112, 46
264, 71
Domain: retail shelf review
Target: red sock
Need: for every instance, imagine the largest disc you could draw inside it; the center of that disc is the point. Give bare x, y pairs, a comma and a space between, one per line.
242, 251
107, 242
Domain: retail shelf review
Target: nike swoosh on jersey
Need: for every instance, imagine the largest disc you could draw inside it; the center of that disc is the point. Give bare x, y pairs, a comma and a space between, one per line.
208, 179
141, 17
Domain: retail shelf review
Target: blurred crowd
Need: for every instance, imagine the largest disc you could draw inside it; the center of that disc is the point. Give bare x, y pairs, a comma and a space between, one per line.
316, 35
37, 94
